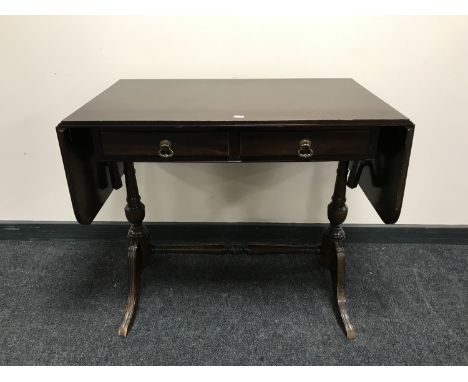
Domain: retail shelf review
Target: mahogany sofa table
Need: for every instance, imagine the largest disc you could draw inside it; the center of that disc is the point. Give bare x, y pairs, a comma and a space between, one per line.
236, 120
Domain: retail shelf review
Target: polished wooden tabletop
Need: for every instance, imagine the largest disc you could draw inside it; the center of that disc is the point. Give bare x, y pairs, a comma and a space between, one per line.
237, 101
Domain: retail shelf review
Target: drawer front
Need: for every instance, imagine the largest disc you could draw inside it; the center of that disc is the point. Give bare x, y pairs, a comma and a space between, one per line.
307, 145
166, 147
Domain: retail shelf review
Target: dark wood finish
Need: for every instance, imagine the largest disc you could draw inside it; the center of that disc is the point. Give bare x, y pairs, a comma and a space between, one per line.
332, 251
271, 106
220, 100
243, 121
89, 182
120, 145
383, 178
189, 146
139, 245
326, 144
235, 248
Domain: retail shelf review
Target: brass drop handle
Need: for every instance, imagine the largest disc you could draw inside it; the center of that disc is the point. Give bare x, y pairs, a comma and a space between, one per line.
304, 150
165, 150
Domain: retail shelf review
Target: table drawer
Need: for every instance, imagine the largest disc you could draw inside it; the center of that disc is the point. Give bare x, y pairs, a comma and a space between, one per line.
161, 146
307, 145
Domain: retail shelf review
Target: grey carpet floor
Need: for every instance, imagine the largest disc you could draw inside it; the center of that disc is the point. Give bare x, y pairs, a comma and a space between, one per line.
61, 302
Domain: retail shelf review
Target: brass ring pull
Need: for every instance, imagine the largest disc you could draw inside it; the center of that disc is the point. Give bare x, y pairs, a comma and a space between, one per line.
165, 150
304, 150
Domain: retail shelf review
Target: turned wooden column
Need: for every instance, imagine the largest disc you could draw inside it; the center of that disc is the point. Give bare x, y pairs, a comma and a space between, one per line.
332, 250
138, 245
135, 209
337, 209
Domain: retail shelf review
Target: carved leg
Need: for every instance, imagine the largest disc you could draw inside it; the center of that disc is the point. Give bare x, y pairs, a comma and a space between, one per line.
134, 271
332, 250
138, 246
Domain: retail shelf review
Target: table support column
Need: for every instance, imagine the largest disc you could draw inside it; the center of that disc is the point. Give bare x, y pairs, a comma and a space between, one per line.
332, 249
139, 245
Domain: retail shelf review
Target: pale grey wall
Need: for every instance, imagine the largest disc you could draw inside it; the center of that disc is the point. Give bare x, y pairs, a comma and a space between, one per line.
52, 65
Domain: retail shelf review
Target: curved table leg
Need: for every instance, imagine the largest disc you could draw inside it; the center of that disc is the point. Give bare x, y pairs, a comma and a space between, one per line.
333, 258
139, 246
332, 251
134, 274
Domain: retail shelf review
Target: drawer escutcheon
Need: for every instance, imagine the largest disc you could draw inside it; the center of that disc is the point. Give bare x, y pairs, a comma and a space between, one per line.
165, 149
305, 149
